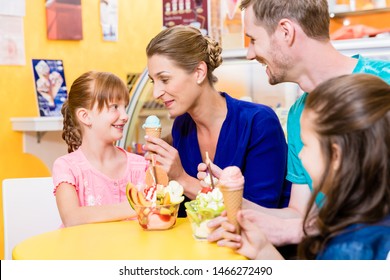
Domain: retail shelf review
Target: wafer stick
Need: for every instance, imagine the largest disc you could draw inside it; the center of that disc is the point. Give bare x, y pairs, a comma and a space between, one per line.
153, 169
209, 170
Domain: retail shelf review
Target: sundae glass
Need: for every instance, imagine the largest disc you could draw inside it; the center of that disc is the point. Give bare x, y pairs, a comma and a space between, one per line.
156, 204
207, 206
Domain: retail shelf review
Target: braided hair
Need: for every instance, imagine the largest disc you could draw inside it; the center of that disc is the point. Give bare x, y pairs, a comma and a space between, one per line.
186, 46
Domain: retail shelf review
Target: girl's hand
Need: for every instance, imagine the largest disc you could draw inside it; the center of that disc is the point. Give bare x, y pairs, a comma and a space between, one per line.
252, 240
166, 155
216, 226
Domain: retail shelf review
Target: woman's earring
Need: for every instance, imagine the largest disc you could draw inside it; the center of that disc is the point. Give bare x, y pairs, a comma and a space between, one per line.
198, 82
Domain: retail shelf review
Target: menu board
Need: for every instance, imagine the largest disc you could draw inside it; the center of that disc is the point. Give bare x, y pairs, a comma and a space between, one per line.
186, 12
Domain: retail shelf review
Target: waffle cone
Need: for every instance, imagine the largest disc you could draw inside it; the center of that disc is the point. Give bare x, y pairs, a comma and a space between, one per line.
232, 200
153, 131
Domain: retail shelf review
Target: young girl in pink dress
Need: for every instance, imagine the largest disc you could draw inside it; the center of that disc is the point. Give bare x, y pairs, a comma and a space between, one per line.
90, 182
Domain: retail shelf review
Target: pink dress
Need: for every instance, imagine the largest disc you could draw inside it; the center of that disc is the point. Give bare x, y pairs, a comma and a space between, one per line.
93, 187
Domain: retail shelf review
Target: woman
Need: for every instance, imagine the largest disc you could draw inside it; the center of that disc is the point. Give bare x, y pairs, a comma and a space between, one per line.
181, 62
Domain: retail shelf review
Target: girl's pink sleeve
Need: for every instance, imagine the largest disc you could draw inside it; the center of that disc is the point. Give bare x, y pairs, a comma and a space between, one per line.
62, 173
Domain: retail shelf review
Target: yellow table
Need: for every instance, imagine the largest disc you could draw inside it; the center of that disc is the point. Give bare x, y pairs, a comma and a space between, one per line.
124, 240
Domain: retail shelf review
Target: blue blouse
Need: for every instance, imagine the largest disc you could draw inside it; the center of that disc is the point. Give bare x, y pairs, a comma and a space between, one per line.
360, 242
251, 138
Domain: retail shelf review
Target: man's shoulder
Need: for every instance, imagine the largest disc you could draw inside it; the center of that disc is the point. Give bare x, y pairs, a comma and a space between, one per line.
298, 106
377, 67
294, 114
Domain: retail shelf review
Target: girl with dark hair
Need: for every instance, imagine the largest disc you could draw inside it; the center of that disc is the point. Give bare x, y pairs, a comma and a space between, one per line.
346, 151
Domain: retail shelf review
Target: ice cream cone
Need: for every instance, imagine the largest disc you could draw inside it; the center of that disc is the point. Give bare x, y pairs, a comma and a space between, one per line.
152, 126
231, 184
232, 201
153, 131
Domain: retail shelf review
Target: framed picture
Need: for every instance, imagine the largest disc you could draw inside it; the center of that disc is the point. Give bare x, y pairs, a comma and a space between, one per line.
63, 20
50, 86
186, 12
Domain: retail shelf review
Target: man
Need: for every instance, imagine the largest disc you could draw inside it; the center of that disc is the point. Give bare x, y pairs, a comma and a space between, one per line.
291, 38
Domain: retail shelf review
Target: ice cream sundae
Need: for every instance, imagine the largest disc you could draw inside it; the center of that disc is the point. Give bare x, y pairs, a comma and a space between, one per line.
207, 205
156, 202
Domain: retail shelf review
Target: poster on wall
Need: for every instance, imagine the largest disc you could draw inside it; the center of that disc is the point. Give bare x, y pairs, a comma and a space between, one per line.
63, 20
12, 41
50, 86
12, 50
13, 8
109, 19
186, 12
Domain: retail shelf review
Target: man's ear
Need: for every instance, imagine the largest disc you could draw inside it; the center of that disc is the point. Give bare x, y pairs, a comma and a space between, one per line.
336, 157
286, 31
201, 72
83, 116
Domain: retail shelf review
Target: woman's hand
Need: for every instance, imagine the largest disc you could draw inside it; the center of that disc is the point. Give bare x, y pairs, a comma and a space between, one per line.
203, 172
166, 155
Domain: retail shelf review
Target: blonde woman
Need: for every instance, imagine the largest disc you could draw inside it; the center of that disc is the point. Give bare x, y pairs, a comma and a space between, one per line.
181, 62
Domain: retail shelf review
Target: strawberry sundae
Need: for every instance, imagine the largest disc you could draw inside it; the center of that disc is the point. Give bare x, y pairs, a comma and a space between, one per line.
156, 202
